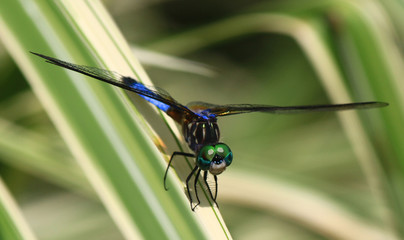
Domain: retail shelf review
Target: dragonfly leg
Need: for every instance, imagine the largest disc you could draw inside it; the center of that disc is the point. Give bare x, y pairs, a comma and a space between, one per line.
216, 189
205, 178
187, 182
169, 164
196, 191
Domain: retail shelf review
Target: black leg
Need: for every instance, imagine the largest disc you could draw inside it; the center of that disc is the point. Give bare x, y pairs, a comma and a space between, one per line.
205, 178
196, 190
189, 193
216, 190
169, 164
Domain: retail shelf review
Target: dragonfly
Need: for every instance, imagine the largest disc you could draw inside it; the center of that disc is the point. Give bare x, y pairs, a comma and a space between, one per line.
199, 122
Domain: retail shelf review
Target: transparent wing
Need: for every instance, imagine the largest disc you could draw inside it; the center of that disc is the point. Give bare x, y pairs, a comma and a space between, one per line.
156, 96
231, 109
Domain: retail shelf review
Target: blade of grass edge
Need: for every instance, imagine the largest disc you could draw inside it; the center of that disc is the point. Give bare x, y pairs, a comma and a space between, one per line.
25, 61
322, 61
12, 223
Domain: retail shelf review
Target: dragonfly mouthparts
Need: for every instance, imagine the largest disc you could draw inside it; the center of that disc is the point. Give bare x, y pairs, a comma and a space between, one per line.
199, 120
217, 167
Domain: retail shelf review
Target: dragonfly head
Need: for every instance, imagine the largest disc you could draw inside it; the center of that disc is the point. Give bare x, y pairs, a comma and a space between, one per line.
214, 158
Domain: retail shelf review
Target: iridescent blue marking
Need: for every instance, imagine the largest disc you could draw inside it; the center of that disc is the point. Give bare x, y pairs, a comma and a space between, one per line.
200, 129
162, 106
205, 114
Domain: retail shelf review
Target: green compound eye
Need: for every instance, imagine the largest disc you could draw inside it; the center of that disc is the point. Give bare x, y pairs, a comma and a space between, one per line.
219, 153
205, 156
224, 152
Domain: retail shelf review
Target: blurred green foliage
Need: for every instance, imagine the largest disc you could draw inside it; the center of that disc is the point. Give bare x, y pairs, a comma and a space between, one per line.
312, 151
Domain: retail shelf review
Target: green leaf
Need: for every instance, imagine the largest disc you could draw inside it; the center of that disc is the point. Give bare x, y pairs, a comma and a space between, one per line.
105, 133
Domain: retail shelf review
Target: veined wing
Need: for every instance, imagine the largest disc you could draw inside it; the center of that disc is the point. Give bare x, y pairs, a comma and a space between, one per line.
208, 109
157, 97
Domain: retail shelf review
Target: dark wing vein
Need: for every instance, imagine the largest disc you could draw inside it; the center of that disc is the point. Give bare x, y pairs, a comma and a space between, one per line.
116, 79
231, 109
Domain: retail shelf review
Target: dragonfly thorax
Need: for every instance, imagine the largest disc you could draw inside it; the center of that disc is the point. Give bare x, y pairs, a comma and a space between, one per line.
198, 119
200, 133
